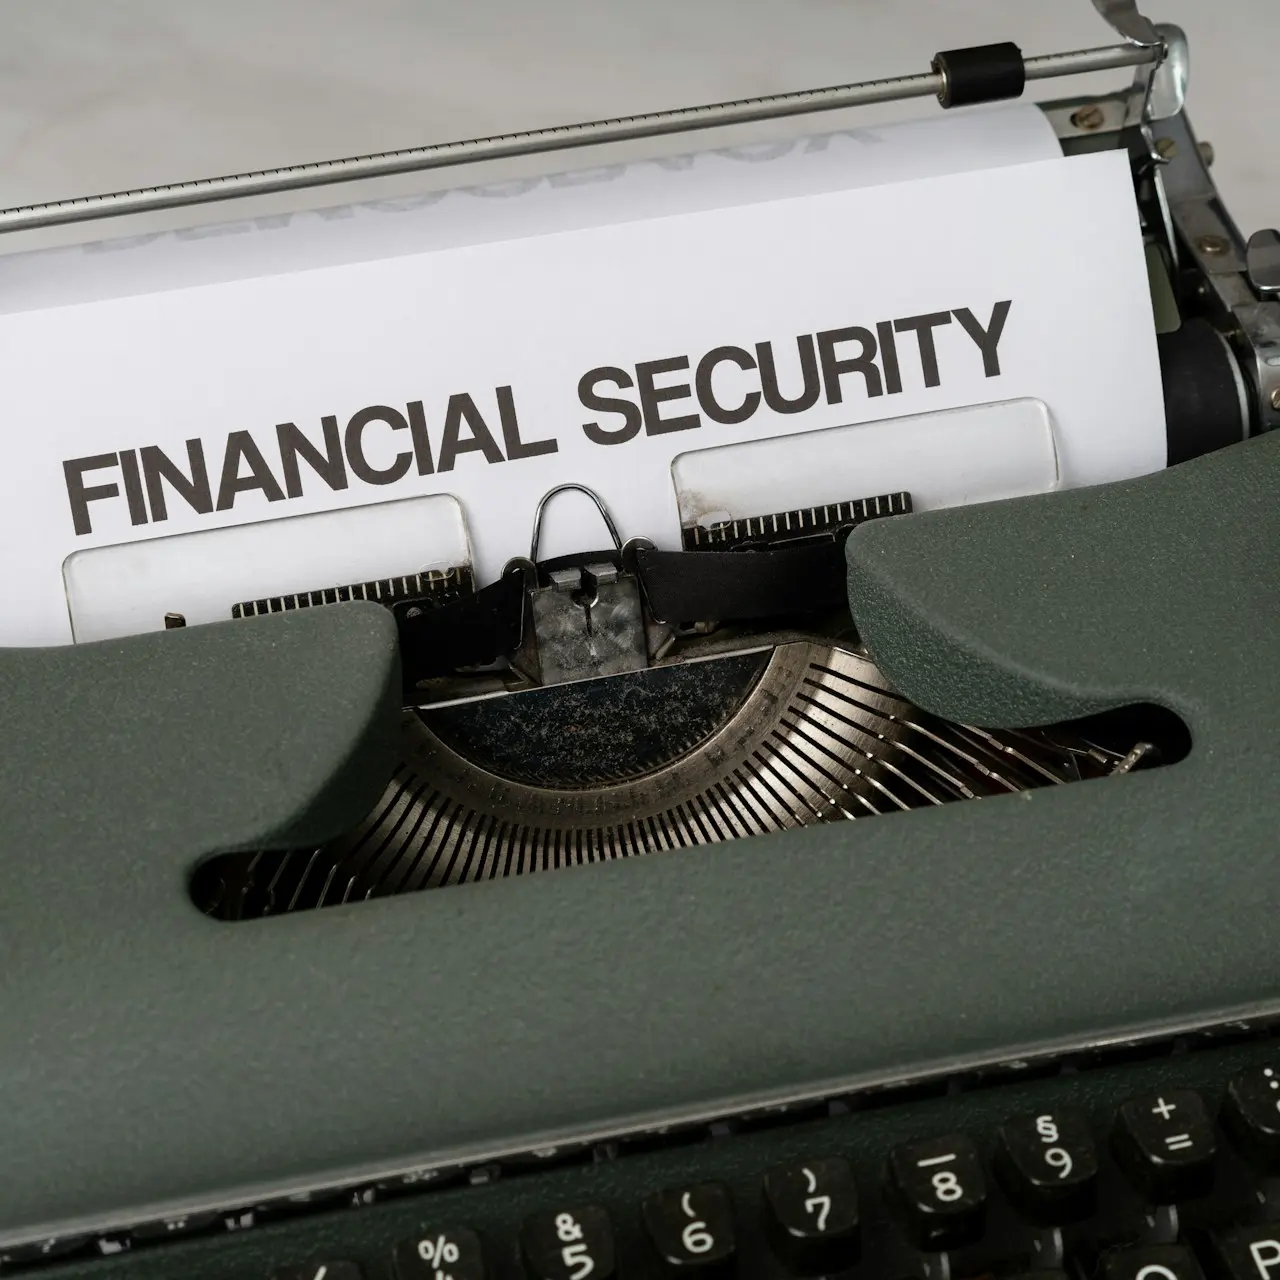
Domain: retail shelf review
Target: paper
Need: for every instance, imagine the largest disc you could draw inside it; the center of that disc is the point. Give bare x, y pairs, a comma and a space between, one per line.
601, 195
496, 371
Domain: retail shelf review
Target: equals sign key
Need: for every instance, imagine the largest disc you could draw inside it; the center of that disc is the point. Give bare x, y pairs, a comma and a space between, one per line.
1167, 1146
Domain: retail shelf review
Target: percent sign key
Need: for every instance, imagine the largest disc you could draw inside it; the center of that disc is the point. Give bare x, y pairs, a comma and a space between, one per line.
454, 1253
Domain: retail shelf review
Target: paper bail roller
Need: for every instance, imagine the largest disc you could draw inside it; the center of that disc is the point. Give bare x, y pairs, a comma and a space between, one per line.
983, 73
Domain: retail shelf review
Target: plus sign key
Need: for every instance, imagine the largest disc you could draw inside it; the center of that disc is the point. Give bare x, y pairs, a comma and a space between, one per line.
1166, 1144
1251, 1115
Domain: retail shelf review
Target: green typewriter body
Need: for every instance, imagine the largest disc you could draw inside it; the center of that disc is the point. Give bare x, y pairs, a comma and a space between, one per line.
1030, 1032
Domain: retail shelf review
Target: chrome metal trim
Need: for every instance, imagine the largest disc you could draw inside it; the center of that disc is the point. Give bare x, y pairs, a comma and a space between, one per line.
537, 141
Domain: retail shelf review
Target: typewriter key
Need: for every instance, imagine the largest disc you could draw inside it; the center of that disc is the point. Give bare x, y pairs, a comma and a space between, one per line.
569, 1244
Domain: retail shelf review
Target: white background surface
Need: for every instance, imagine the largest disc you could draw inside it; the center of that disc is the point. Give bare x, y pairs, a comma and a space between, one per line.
98, 96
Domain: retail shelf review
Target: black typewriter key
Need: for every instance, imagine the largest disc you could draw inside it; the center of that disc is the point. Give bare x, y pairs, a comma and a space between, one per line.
692, 1229
1166, 1144
1252, 1253
320, 1271
449, 1253
1047, 1164
811, 1212
941, 1188
1251, 1115
1159, 1262
569, 1244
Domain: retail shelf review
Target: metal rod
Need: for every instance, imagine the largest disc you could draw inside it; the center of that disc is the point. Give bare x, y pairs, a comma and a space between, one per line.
441, 155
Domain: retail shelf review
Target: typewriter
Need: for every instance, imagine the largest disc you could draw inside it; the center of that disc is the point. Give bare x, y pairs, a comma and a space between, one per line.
853, 891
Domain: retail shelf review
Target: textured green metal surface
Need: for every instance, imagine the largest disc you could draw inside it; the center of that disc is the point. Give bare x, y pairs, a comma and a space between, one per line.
152, 1060
496, 1209
261, 733
1164, 589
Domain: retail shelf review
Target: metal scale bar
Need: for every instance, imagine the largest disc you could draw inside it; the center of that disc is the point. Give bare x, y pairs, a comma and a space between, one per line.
535, 141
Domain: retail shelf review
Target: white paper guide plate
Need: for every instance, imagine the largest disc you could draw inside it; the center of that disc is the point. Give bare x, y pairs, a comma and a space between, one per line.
950, 459
489, 373
129, 588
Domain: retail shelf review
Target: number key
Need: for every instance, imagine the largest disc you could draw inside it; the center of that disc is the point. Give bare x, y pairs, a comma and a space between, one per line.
811, 1210
454, 1252
569, 1244
1156, 1262
692, 1229
1048, 1166
941, 1189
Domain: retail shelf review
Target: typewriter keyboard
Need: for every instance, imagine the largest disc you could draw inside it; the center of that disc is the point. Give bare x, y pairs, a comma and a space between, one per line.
1155, 1163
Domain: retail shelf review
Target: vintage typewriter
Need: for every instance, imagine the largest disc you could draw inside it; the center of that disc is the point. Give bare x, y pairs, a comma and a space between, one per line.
989, 991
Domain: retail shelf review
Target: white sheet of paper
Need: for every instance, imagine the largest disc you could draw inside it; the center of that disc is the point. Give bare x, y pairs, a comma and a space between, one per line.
600, 195
1057, 240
